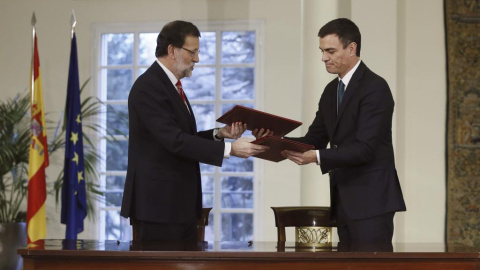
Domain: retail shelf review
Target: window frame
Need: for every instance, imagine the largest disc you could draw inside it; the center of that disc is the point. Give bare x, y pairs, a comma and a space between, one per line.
98, 29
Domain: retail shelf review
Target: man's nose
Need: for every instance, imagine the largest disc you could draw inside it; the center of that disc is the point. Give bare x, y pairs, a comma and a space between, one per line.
324, 57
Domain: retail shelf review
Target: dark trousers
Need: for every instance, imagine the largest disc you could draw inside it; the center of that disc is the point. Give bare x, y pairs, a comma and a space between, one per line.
153, 231
378, 229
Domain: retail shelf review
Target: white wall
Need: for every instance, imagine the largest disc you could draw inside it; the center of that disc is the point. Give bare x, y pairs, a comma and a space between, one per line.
403, 41
422, 115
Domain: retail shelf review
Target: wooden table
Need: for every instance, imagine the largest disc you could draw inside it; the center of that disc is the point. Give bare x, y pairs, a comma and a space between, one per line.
91, 255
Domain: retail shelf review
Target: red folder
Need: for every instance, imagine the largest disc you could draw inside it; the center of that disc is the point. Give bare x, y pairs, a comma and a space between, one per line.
277, 145
279, 125
258, 119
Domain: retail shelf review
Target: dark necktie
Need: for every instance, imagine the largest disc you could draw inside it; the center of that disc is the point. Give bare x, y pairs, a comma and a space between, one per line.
340, 92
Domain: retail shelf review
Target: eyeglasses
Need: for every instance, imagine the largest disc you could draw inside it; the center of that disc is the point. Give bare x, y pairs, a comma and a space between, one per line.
192, 53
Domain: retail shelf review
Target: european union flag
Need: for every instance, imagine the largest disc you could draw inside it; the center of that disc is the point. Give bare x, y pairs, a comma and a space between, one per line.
74, 201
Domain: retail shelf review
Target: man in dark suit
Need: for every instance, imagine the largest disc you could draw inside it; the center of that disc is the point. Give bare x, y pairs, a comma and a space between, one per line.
163, 194
355, 116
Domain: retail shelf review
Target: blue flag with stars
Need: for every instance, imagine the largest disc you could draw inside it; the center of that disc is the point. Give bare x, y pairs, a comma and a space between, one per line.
74, 201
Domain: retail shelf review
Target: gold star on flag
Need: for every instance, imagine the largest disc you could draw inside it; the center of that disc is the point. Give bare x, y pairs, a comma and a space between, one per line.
80, 176
74, 138
78, 119
75, 158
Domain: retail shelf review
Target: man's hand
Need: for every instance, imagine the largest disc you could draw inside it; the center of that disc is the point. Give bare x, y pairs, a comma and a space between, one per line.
233, 131
244, 149
301, 158
259, 133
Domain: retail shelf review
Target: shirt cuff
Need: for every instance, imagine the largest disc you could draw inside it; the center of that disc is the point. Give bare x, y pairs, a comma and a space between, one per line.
215, 132
318, 157
228, 149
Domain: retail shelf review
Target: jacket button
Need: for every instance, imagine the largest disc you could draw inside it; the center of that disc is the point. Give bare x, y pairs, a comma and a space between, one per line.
335, 146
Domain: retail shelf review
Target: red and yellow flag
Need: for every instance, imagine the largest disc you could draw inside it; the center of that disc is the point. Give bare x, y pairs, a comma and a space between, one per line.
38, 158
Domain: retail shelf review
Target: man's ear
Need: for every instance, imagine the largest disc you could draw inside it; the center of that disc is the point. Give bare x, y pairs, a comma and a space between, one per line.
171, 51
352, 48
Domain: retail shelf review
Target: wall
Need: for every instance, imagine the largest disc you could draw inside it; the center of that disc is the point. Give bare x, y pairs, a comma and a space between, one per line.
423, 118
404, 43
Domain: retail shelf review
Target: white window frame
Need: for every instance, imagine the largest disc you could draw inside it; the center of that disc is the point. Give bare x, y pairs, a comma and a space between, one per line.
258, 26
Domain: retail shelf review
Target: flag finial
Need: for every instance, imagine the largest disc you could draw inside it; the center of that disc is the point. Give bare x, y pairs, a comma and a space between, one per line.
73, 21
34, 19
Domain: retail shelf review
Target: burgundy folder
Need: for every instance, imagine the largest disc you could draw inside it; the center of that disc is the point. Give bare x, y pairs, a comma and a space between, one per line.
277, 145
279, 125
258, 119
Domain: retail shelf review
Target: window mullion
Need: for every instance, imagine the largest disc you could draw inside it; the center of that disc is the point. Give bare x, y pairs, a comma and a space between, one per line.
218, 106
136, 50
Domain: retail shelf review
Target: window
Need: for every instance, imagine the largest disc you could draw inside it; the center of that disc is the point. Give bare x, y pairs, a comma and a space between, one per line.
229, 73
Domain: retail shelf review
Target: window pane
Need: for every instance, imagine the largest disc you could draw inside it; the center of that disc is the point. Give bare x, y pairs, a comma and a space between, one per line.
206, 168
119, 49
117, 227
114, 182
237, 192
207, 48
141, 71
238, 83
117, 156
238, 47
204, 115
146, 48
236, 164
227, 106
117, 119
113, 198
237, 227
208, 189
210, 228
201, 85
119, 83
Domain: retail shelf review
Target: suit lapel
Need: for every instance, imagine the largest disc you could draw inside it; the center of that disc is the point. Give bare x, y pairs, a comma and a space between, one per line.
177, 100
191, 116
333, 107
351, 90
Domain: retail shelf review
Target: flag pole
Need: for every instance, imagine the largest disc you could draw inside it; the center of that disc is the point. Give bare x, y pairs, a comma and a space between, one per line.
32, 75
38, 152
74, 205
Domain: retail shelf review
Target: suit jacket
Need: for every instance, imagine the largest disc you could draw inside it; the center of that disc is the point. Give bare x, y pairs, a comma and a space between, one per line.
360, 159
163, 175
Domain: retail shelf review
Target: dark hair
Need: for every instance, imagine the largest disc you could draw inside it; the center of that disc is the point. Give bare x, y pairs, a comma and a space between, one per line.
174, 33
345, 29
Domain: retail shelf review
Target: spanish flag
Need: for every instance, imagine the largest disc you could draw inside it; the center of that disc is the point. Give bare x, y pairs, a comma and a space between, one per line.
38, 158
